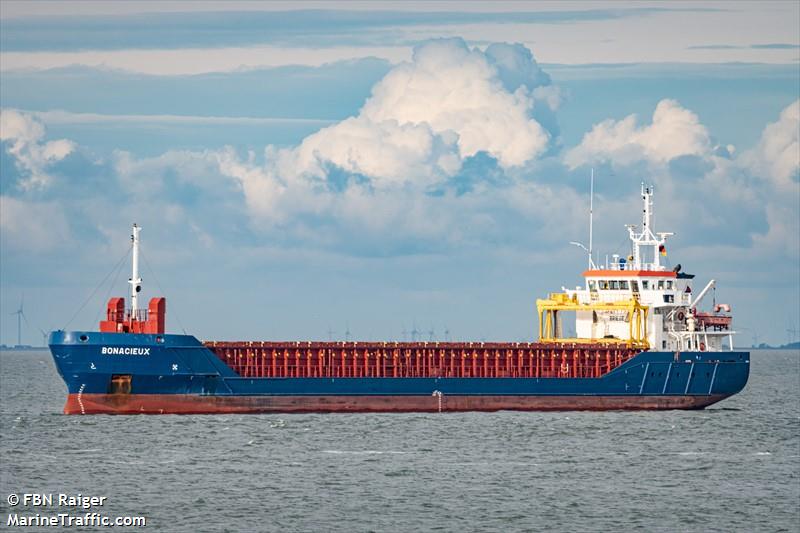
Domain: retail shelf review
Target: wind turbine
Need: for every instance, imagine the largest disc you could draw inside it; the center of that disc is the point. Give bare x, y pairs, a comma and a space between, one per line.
330, 334
447, 334
44, 337
20, 315
414, 333
347, 333
792, 334
404, 333
431, 334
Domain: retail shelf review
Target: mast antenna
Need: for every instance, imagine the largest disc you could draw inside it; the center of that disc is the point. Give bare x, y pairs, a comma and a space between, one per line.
591, 216
135, 281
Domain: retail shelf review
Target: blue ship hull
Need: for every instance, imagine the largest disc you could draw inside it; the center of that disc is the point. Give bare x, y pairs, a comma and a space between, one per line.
139, 373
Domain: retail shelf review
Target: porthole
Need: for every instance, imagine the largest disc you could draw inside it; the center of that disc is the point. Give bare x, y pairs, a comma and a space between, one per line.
83, 338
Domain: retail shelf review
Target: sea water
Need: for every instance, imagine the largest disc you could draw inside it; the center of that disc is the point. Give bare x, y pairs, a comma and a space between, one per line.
732, 467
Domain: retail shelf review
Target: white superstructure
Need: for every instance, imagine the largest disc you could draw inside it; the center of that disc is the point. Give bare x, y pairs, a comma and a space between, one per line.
672, 320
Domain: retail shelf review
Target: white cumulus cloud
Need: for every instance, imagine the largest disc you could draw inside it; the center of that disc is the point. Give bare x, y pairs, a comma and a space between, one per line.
454, 89
388, 151
775, 164
32, 226
674, 131
24, 136
759, 185
423, 120
777, 156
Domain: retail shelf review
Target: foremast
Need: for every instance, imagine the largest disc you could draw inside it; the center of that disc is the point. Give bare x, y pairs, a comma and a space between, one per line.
151, 320
135, 281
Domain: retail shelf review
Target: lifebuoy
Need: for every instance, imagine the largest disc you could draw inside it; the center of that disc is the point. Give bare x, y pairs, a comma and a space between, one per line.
680, 316
702, 347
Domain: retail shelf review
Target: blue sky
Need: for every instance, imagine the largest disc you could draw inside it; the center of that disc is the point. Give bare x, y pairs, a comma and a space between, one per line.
376, 167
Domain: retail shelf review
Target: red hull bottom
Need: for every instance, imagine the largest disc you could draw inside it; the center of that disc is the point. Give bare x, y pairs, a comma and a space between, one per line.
194, 404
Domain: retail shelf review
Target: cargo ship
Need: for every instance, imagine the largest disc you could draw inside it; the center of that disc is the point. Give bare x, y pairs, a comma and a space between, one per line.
639, 341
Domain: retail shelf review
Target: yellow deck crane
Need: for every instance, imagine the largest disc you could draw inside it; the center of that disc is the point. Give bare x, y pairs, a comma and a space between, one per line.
550, 321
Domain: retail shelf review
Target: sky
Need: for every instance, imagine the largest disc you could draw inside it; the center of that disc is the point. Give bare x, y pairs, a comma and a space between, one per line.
360, 170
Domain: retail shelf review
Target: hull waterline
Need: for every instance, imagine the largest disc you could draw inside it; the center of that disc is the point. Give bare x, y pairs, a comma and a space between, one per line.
194, 404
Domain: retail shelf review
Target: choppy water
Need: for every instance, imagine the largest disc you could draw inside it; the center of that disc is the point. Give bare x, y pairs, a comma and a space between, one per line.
732, 467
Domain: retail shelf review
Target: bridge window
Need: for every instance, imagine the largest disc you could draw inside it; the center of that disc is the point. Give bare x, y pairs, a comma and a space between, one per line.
645, 284
635, 286
592, 285
604, 285
660, 284
669, 284
623, 285
613, 284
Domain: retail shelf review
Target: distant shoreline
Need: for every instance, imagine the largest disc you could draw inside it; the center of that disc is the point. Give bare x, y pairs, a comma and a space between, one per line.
790, 346
21, 348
